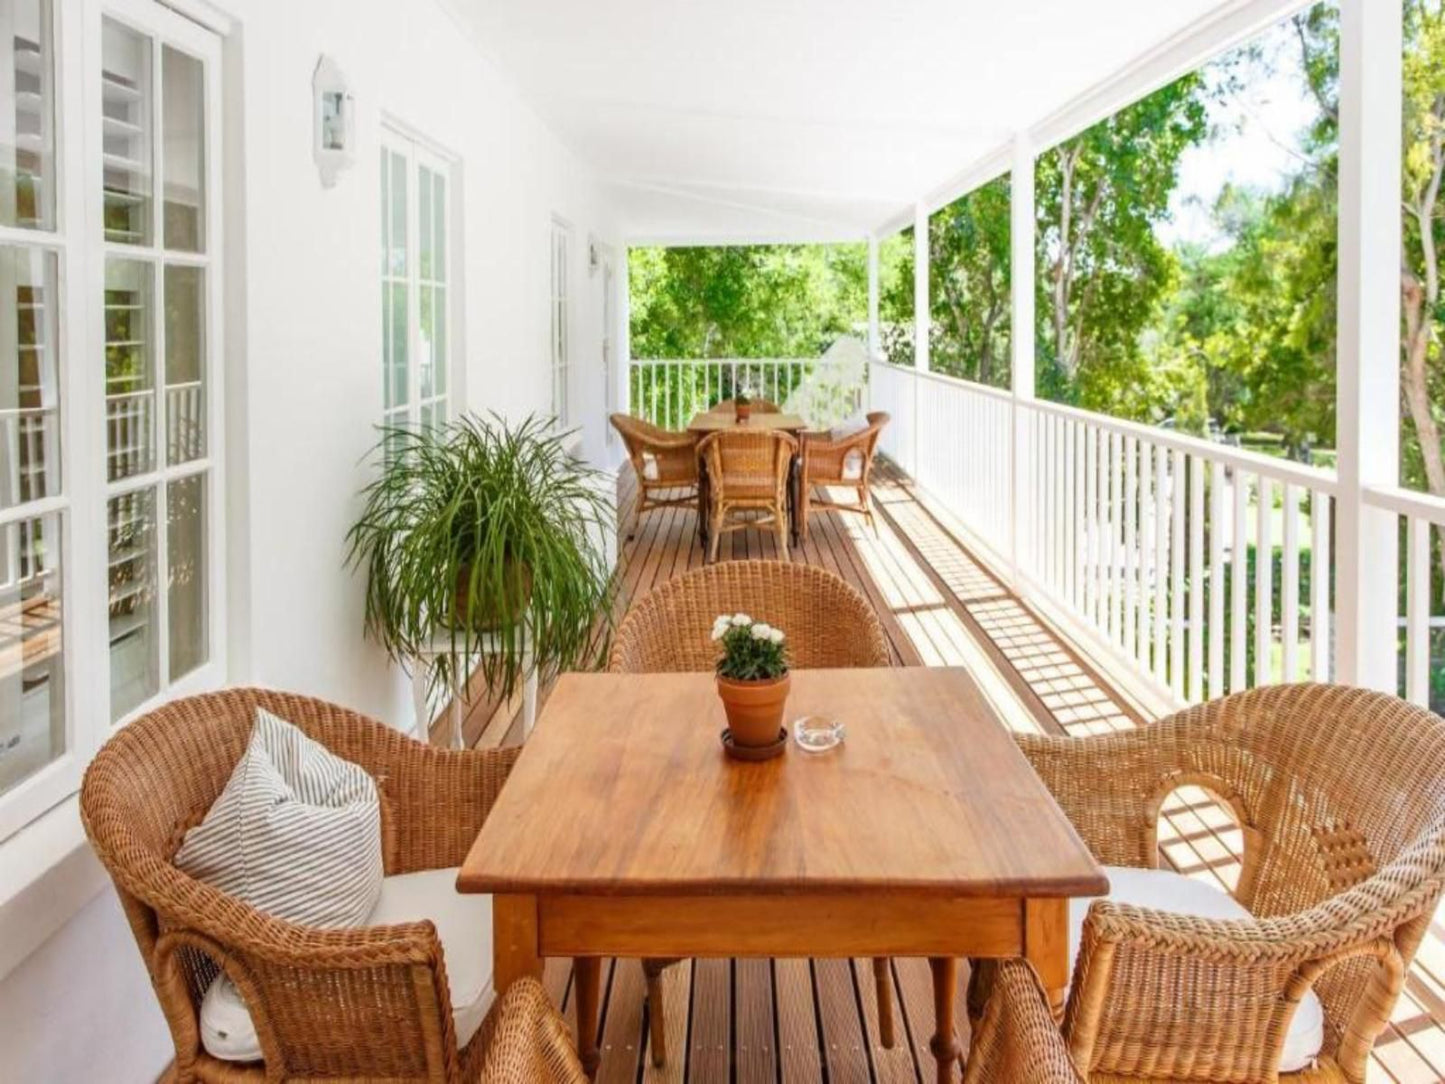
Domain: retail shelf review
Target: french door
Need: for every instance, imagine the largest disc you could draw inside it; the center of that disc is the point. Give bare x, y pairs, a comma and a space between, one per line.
111, 529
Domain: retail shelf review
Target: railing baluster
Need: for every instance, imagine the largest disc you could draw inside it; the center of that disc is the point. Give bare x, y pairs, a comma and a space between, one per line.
1195, 683
1239, 586
1115, 507
1146, 550
1289, 587
1131, 547
1091, 515
1417, 611
1264, 581
1320, 664
1161, 563
1072, 484
1216, 630
1177, 497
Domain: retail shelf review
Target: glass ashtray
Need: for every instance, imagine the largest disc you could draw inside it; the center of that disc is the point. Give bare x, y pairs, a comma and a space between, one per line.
818, 733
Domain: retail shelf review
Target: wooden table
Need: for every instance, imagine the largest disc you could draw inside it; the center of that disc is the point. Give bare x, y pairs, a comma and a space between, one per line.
710, 422
624, 831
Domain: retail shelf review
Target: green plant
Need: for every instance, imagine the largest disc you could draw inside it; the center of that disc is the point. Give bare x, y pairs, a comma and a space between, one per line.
480, 535
751, 650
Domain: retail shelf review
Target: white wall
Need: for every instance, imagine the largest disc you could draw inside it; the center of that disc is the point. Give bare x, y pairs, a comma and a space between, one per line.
303, 345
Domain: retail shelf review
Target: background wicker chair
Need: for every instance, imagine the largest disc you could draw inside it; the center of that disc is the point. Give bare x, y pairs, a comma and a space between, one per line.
760, 406
1017, 1041
1340, 794
665, 463
847, 461
342, 1004
748, 471
829, 626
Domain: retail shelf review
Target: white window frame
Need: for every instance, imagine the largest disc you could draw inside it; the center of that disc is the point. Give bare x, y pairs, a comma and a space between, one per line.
79, 241
419, 153
560, 321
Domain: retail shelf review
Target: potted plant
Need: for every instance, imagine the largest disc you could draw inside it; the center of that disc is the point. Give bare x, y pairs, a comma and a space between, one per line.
477, 537
753, 683
743, 406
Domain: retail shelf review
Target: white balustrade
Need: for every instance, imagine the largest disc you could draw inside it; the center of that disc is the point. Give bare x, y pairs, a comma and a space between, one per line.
670, 392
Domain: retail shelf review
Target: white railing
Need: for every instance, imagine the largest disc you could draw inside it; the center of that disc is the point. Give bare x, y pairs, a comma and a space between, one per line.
670, 392
1191, 559
1422, 526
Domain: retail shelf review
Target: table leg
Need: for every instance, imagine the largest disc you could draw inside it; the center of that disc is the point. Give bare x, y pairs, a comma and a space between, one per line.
944, 1044
883, 995
514, 940
587, 987
1046, 946
795, 487
702, 504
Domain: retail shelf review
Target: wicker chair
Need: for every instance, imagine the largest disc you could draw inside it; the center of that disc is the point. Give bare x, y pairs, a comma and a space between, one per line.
730, 406
748, 471
1017, 1041
829, 626
665, 463
844, 462
1340, 795
343, 1004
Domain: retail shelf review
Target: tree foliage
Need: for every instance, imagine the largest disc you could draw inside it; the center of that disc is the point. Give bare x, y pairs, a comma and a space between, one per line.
969, 275
752, 301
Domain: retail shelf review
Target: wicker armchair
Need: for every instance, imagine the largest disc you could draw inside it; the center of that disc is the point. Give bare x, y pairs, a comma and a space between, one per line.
828, 623
1340, 794
829, 626
665, 463
844, 462
748, 471
342, 1004
1017, 1041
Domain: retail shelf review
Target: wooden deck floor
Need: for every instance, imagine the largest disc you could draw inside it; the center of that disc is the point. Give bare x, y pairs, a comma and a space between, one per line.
799, 1020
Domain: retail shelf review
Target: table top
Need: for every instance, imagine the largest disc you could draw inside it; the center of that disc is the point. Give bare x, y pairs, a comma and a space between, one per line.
713, 421
623, 788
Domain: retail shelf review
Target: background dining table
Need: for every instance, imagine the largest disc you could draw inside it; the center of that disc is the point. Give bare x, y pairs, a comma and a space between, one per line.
716, 421
624, 830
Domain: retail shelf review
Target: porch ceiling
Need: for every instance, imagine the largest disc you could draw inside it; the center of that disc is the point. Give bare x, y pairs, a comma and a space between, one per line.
761, 119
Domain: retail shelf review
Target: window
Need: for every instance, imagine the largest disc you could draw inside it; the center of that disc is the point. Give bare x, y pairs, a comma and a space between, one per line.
416, 339
561, 359
109, 517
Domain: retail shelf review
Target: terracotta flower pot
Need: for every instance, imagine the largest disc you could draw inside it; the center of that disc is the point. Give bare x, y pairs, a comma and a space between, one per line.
744, 412
755, 710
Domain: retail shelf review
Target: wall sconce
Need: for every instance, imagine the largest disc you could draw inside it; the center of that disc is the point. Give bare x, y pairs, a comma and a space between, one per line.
594, 257
334, 139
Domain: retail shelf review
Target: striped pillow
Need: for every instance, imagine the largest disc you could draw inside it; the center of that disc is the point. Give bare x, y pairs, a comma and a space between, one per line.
296, 833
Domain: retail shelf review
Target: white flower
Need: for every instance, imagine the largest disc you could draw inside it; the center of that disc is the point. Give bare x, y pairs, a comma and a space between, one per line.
721, 626
776, 635
742, 619
762, 631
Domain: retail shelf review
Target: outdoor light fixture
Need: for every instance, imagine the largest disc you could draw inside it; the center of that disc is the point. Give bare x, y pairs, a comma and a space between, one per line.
335, 123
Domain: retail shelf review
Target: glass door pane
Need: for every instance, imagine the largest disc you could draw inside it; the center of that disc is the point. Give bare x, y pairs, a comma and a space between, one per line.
29, 384
183, 150
126, 113
134, 642
185, 308
32, 662
27, 119
186, 578
129, 369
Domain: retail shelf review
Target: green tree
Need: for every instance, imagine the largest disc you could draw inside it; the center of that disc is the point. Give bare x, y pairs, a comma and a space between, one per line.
1102, 268
754, 301
895, 296
969, 273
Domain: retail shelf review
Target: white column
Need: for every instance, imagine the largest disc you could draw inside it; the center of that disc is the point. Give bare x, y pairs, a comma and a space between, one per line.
875, 343
921, 320
623, 331
1367, 554
1021, 336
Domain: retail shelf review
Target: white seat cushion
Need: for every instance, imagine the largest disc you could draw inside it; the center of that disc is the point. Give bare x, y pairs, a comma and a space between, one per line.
853, 466
461, 922
849, 427
649, 467
1165, 890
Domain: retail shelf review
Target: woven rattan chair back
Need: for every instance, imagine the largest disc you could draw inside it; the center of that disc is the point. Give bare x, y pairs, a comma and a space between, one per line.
829, 624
